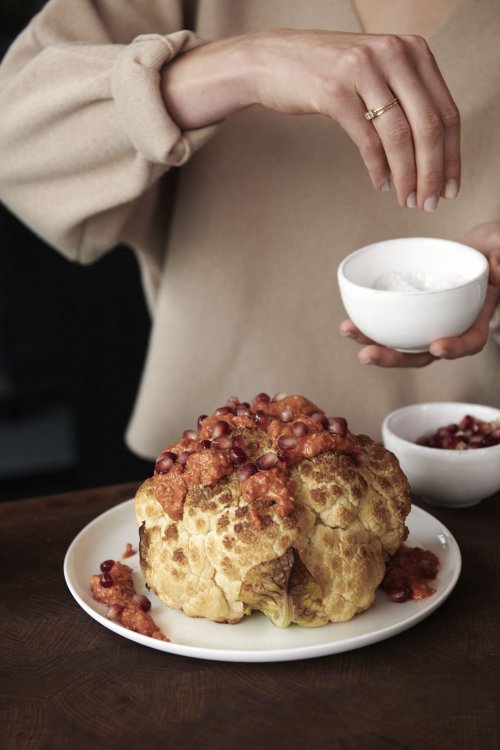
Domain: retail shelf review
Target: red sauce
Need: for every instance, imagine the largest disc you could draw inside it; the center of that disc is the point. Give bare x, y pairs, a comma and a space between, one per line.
207, 467
297, 428
171, 490
316, 440
129, 551
232, 419
408, 573
272, 484
114, 587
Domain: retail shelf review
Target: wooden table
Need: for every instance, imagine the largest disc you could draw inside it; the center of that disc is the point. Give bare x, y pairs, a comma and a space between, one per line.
67, 682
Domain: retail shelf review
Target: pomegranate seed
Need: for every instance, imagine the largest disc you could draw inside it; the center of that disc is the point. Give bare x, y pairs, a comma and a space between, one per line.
399, 595
262, 397
470, 433
165, 462
222, 443
467, 422
300, 429
286, 456
243, 411
267, 461
106, 580
200, 419
233, 401
142, 601
221, 428
237, 455
190, 435
163, 465
183, 457
261, 419
359, 457
428, 569
246, 471
106, 565
223, 410
280, 396
238, 442
286, 415
476, 440
203, 445
114, 612
286, 442
338, 426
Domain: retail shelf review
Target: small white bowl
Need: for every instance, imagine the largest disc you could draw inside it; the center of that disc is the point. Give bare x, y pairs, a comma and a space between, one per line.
406, 293
452, 478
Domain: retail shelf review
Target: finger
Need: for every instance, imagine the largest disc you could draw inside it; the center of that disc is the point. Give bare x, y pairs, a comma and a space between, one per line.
394, 132
432, 121
435, 85
349, 330
396, 137
494, 260
474, 339
385, 357
374, 354
411, 133
426, 127
350, 114
471, 342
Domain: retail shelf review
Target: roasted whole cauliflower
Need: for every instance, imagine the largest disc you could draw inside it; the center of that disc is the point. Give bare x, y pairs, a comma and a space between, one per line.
271, 506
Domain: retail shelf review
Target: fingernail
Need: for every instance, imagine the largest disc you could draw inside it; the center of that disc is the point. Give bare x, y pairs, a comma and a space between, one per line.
411, 201
365, 360
451, 189
441, 353
386, 185
430, 203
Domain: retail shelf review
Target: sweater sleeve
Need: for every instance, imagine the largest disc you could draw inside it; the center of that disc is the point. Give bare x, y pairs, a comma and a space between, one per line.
84, 133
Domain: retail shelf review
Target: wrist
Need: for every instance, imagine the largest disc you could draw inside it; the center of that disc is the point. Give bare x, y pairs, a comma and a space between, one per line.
211, 82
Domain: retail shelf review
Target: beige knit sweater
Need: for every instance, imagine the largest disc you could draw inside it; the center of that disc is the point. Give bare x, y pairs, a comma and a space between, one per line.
239, 252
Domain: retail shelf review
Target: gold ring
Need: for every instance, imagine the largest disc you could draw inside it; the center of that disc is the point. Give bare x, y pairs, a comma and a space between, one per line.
371, 113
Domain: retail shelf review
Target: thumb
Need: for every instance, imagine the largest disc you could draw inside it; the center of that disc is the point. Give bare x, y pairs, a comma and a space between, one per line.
494, 261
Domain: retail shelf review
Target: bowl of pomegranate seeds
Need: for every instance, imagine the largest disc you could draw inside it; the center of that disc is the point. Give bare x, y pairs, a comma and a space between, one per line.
406, 293
450, 451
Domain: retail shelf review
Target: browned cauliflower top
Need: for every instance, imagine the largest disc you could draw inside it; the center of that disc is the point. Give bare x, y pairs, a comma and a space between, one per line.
271, 506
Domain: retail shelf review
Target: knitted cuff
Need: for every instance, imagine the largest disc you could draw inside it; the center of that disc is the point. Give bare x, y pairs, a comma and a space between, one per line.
135, 84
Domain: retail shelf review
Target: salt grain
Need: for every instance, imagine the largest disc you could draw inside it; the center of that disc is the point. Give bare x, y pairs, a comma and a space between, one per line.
396, 281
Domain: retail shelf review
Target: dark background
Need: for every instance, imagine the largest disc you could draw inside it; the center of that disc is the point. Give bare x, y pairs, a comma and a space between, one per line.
72, 344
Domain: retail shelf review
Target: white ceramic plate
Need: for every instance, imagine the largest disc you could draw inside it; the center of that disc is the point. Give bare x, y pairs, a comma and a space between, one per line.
255, 639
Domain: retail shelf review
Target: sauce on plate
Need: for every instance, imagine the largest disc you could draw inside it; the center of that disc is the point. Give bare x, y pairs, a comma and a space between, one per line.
408, 573
114, 587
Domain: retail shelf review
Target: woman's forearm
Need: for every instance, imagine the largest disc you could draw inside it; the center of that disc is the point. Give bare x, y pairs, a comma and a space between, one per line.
341, 75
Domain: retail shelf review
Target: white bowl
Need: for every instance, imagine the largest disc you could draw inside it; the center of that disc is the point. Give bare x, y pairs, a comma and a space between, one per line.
406, 293
453, 478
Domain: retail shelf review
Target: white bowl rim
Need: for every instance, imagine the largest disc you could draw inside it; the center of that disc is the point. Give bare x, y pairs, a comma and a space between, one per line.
395, 294
444, 451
